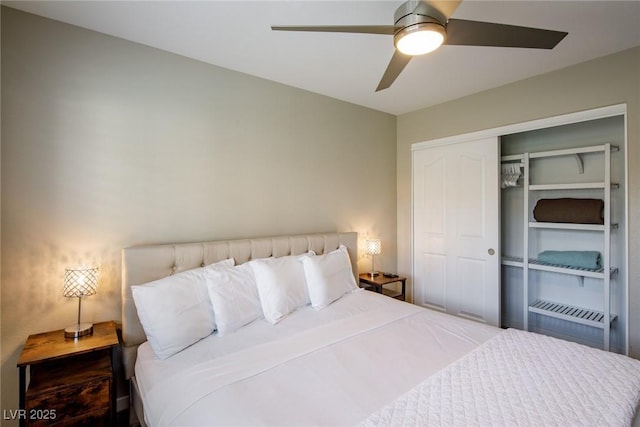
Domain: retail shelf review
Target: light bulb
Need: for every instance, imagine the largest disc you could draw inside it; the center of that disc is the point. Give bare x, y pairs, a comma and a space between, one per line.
419, 39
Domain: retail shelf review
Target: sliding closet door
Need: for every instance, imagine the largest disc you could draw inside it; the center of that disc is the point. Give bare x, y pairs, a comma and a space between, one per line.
456, 262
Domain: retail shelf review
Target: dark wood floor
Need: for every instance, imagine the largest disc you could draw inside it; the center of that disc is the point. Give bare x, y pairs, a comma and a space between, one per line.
123, 418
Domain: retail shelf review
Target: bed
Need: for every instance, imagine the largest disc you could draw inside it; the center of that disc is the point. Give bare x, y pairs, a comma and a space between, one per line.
347, 357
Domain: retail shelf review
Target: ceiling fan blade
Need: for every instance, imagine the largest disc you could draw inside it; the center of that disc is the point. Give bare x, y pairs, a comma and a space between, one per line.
395, 67
445, 7
476, 33
363, 29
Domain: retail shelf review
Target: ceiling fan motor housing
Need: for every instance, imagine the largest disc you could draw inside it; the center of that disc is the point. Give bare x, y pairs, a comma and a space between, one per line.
415, 12
414, 16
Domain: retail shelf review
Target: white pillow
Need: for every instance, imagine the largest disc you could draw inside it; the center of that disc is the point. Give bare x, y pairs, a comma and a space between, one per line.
328, 277
234, 297
175, 311
281, 285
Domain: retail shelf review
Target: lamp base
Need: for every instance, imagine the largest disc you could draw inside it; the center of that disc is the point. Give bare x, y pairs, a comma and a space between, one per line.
78, 330
374, 274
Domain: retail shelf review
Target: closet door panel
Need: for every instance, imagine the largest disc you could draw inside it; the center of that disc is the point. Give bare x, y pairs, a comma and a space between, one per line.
456, 221
477, 238
472, 288
432, 282
434, 190
431, 261
470, 196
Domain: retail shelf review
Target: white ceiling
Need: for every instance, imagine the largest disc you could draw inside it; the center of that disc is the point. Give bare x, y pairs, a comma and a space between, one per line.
237, 35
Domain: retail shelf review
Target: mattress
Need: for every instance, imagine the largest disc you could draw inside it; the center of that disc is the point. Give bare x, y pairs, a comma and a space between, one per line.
336, 366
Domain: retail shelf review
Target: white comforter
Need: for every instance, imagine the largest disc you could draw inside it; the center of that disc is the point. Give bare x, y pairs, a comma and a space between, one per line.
285, 374
339, 365
522, 379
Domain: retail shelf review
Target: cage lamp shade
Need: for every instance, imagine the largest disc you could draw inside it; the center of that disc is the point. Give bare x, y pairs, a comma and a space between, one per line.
373, 248
80, 282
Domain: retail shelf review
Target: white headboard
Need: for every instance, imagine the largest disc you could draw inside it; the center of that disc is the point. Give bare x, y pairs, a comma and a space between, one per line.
142, 264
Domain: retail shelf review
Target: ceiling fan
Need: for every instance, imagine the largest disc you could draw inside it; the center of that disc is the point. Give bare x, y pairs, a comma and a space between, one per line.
422, 26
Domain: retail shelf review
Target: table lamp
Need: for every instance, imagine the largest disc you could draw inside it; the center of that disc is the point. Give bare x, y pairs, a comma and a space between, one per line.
373, 248
80, 282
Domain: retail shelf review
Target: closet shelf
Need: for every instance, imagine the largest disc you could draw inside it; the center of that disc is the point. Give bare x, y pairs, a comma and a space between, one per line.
564, 152
512, 261
570, 226
572, 151
570, 313
534, 264
572, 186
574, 271
512, 158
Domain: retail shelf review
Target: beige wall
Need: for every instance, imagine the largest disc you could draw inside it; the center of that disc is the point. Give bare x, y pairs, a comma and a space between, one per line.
107, 144
606, 81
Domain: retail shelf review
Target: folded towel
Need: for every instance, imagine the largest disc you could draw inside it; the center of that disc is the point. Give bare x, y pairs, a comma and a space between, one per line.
578, 211
579, 259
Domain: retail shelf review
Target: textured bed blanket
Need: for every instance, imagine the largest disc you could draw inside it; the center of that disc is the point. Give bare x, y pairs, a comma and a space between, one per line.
521, 378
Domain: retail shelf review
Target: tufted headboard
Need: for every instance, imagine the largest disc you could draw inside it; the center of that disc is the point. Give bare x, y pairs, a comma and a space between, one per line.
142, 264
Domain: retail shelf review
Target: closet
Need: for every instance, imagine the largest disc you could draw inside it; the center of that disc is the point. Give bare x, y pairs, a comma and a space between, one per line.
562, 249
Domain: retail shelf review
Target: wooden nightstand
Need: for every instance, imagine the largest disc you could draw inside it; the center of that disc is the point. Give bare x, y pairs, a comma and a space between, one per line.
72, 382
377, 283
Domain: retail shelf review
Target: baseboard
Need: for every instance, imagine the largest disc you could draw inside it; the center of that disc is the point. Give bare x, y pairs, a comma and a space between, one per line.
122, 403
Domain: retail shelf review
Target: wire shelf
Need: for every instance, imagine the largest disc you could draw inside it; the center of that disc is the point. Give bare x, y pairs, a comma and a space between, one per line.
570, 313
534, 264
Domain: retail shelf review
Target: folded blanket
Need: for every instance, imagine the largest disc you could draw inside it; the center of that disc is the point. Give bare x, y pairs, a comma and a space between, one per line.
578, 211
578, 259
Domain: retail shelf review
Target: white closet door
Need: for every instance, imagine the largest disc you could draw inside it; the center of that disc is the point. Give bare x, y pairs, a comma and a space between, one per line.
456, 258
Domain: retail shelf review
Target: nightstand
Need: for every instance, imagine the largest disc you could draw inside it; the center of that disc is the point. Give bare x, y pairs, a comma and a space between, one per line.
378, 283
72, 381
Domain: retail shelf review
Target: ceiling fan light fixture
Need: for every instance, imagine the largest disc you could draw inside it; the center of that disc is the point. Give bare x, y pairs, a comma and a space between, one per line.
420, 38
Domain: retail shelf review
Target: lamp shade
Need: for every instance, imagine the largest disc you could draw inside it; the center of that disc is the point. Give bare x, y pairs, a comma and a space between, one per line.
80, 282
374, 247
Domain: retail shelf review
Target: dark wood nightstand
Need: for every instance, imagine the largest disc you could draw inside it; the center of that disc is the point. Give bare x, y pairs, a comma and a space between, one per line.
72, 381
378, 283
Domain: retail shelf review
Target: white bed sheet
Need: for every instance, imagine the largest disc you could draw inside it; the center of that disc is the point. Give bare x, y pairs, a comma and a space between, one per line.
279, 375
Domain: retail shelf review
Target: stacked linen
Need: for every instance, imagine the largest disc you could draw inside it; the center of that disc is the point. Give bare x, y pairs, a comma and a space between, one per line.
591, 260
576, 211
569, 210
